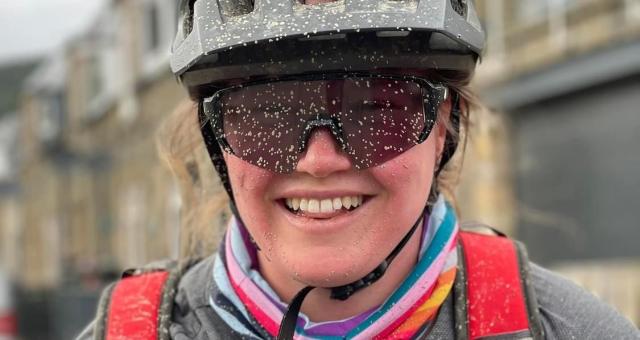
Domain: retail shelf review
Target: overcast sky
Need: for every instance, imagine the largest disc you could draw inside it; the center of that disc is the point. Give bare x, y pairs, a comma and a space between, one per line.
34, 27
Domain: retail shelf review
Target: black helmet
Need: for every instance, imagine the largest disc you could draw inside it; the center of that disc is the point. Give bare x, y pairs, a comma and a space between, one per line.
232, 41
228, 40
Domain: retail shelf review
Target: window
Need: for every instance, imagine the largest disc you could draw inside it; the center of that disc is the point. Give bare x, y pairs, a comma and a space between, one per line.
51, 118
100, 53
531, 11
132, 210
153, 27
158, 27
95, 77
97, 94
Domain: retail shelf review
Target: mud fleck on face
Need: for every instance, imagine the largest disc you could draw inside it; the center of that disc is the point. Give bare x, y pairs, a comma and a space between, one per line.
327, 216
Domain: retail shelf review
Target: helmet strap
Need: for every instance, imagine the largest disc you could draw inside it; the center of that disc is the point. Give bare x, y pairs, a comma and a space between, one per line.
344, 292
217, 158
290, 318
287, 326
451, 141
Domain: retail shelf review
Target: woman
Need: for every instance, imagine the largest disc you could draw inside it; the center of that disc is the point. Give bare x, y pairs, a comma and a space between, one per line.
329, 125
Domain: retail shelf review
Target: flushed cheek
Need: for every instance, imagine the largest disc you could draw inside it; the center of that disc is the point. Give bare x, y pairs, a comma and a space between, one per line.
250, 186
407, 175
246, 177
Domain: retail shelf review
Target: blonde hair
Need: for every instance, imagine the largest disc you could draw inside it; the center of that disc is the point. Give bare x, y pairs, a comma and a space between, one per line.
205, 205
449, 178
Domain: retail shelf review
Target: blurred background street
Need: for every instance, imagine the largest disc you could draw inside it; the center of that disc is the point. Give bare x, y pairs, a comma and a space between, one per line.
553, 160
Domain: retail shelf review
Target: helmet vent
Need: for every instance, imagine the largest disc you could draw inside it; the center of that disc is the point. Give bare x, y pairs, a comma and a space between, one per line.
460, 6
187, 21
235, 8
316, 2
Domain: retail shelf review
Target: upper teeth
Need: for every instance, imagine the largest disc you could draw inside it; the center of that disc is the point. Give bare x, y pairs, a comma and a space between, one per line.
327, 205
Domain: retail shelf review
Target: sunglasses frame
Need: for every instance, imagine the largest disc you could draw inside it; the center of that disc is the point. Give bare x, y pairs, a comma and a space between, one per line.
433, 94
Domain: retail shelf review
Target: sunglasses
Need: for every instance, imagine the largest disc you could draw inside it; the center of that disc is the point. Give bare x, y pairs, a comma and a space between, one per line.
373, 118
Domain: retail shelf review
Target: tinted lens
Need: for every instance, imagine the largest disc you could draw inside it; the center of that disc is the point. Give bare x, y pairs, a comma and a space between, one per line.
381, 118
373, 119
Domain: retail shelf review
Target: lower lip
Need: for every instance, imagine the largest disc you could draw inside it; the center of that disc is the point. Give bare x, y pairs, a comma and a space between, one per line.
324, 224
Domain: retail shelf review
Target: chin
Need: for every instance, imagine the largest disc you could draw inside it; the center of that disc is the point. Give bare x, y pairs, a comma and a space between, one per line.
327, 279
320, 270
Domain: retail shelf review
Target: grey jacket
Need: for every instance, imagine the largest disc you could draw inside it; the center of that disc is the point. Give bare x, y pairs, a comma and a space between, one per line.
566, 311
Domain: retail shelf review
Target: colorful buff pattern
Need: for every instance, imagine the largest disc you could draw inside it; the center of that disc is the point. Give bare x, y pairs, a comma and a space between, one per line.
250, 307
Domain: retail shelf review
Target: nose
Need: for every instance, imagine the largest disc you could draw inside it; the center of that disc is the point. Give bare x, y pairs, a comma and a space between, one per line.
323, 156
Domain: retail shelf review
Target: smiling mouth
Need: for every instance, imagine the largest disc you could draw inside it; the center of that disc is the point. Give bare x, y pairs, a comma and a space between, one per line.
324, 208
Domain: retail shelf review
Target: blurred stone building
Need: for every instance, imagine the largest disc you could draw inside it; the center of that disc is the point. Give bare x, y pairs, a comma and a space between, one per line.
10, 75
94, 197
117, 88
559, 79
562, 79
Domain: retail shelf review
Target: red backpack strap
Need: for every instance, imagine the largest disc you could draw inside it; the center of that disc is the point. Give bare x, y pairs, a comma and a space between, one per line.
139, 305
500, 302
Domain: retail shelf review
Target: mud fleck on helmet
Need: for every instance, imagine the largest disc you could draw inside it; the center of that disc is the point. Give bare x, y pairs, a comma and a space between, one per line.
222, 42
225, 40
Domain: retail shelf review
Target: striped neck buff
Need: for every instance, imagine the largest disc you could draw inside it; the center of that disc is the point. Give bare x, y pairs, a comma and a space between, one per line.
248, 305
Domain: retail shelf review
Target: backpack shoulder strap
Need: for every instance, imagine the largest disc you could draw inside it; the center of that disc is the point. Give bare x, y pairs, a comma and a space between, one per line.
494, 294
139, 305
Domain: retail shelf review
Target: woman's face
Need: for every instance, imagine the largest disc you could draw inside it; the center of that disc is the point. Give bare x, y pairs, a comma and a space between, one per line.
336, 246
